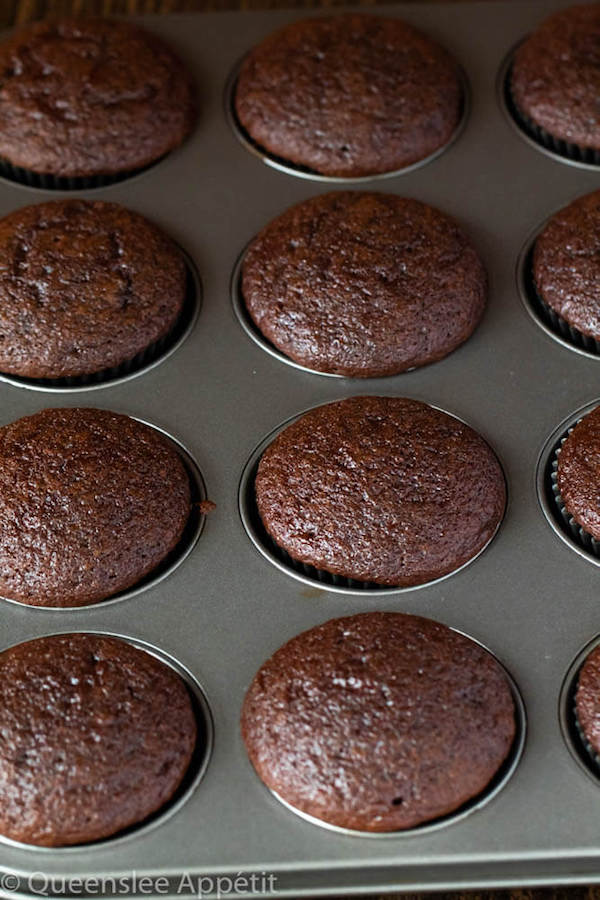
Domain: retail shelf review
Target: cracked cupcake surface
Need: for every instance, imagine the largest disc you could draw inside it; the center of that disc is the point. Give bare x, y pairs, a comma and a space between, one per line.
380, 489
84, 286
87, 97
363, 284
90, 503
349, 95
379, 722
96, 736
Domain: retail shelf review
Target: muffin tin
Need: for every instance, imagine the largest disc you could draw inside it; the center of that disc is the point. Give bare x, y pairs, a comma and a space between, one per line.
530, 597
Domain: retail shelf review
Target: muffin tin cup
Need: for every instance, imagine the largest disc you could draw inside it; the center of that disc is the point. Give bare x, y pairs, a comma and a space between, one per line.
196, 769
498, 782
581, 751
535, 135
47, 182
187, 542
143, 362
283, 165
543, 315
553, 507
304, 572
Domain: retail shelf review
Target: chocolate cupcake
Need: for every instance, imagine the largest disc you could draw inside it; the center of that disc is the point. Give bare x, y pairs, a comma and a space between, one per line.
90, 97
587, 704
96, 736
379, 722
554, 82
578, 474
349, 95
380, 489
85, 287
90, 502
363, 284
566, 267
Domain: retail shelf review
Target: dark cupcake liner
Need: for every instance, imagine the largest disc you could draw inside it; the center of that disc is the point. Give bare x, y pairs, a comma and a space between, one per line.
153, 353
559, 326
560, 147
48, 182
572, 528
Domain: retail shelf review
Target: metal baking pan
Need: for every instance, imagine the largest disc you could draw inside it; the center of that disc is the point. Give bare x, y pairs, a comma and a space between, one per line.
531, 598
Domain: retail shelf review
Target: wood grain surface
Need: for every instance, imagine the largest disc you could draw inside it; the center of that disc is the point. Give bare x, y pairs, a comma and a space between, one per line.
19, 12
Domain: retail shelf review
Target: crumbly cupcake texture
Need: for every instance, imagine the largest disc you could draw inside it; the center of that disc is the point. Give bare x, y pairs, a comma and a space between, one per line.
96, 736
86, 97
555, 76
378, 722
566, 264
90, 502
587, 700
363, 284
349, 95
84, 286
578, 473
380, 489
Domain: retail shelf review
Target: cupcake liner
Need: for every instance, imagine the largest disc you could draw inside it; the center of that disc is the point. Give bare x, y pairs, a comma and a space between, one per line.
572, 528
559, 326
63, 182
563, 148
144, 358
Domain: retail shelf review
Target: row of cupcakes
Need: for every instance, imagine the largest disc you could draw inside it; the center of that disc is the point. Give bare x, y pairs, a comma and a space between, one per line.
85, 102
367, 492
376, 723
349, 283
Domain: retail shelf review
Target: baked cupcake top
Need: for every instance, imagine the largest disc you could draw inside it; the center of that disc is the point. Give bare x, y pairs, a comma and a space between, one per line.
349, 95
363, 284
380, 489
556, 72
90, 502
84, 97
84, 286
578, 474
378, 722
566, 264
96, 736
587, 700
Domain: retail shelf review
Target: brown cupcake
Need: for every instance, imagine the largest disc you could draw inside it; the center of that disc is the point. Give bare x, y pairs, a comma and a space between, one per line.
96, 736
378, 722
88, 97
90, 502
380, 489
578, 473
363, 284
555, 76
566, 264
349, 95
84, 286
587, 701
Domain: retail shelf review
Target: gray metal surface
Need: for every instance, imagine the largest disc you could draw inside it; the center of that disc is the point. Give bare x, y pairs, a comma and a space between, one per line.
529, 597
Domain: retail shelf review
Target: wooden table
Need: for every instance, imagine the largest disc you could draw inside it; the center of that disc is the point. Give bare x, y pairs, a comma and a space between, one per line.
19, 12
